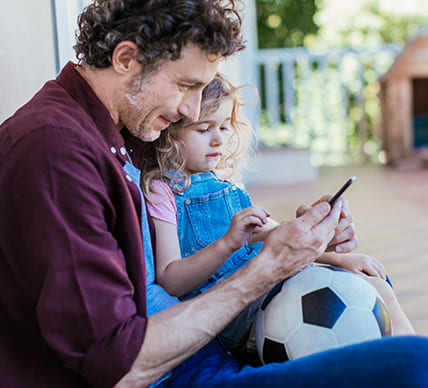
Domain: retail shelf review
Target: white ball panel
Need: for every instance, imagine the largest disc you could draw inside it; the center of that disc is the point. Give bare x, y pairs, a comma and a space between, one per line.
278, 320
309, 339
354, 290
310, 279
355, 326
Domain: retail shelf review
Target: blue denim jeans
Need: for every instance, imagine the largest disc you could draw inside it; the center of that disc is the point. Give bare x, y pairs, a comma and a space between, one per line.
392, 362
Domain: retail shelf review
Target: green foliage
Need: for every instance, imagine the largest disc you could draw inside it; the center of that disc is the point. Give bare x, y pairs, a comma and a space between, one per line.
285, 23
337, 23
368, 23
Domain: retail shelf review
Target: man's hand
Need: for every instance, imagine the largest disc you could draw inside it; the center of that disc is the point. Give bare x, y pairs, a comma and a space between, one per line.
292, 246
345, 239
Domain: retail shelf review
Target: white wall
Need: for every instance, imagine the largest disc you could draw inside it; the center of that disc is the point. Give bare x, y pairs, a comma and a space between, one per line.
28, 57
67, 12
241, 69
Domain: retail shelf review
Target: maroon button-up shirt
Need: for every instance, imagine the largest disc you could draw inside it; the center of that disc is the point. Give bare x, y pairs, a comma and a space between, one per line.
72, 284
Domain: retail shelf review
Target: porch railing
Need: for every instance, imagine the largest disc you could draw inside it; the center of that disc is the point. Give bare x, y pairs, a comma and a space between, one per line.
325, 101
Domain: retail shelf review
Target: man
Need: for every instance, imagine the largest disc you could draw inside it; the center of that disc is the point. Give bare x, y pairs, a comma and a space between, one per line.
73, 297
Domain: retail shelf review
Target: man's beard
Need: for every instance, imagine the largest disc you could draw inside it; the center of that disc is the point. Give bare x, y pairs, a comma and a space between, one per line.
136, 94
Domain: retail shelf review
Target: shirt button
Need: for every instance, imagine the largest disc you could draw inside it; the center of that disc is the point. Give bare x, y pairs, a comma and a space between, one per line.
188, 201
123, 151
113, 150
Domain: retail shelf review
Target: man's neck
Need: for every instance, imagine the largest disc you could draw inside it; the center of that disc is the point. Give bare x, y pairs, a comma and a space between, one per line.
102, 82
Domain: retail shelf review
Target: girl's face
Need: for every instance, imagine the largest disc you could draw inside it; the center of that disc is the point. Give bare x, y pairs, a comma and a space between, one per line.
205, 139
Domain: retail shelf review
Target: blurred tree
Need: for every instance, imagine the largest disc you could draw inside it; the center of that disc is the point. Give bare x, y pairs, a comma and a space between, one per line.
337, 23
285, 23
367, 23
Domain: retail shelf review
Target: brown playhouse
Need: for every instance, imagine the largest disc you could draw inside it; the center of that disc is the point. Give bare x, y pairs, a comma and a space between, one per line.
404, 103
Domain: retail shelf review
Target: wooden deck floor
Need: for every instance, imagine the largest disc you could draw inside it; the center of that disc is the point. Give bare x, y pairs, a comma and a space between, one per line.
390, 209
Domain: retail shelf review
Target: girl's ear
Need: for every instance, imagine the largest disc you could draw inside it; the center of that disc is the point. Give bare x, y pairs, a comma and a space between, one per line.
124, 58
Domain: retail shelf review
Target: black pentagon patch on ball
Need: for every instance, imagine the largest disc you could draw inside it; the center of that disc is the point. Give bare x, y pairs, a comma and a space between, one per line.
322, 307
382, 317
274, 351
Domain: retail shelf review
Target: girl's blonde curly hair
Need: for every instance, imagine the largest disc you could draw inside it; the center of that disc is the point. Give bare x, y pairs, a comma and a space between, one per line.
168, 162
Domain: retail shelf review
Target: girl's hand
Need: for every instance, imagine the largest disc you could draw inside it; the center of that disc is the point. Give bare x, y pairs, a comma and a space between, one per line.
243, 225
356, 262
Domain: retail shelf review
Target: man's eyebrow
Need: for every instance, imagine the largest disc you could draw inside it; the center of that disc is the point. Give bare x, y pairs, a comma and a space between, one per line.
192, 81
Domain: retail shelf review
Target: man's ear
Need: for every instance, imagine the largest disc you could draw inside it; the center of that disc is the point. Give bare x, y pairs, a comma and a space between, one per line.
124, 57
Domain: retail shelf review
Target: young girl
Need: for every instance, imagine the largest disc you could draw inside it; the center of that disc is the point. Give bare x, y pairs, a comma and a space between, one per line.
209, 221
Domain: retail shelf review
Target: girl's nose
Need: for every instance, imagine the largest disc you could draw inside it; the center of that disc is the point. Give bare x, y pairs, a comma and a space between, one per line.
217, 137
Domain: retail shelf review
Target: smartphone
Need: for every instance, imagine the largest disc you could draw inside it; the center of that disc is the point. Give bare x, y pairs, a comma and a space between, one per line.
341, 190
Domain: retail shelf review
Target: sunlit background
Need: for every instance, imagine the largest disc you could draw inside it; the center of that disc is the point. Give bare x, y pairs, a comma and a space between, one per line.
316, 66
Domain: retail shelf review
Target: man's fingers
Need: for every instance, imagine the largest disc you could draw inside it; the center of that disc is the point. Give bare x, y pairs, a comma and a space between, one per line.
347, 246
302, 210
317, 214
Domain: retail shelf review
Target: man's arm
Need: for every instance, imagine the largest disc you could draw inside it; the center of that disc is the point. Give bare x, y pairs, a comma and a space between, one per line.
175, 334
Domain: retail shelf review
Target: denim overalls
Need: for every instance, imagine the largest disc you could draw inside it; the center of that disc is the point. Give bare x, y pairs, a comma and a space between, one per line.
157, 298
204, 214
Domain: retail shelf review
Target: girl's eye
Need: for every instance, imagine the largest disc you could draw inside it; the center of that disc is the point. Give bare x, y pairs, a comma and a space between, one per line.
224, 128
203, 130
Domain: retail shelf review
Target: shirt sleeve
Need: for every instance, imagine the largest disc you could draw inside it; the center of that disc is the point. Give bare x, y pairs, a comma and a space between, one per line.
161, 204
65, 253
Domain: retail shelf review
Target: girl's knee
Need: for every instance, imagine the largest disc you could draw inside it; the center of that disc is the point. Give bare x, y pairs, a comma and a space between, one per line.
382, 287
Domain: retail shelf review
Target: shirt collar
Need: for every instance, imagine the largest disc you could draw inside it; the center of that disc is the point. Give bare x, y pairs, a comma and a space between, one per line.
139, 150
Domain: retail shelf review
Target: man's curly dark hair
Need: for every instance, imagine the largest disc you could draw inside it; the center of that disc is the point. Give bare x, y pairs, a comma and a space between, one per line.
160, 28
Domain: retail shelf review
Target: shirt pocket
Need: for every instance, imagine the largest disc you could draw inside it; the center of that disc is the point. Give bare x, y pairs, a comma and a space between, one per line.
210, 215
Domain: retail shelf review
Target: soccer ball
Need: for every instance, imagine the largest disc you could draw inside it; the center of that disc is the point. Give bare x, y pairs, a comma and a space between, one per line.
320, 308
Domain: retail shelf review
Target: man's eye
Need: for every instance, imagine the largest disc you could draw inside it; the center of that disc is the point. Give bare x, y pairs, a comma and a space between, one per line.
184, 88
202, 130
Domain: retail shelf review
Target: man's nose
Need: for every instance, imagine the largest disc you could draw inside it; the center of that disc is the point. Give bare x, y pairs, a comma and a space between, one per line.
190, 106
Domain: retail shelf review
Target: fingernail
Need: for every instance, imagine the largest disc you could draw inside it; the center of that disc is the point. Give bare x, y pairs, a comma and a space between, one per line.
339, 249
324, 207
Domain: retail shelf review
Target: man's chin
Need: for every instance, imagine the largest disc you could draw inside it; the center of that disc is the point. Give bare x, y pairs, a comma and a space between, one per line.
146, 135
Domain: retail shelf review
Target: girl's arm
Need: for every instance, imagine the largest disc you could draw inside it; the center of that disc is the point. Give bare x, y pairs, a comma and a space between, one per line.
179, 276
